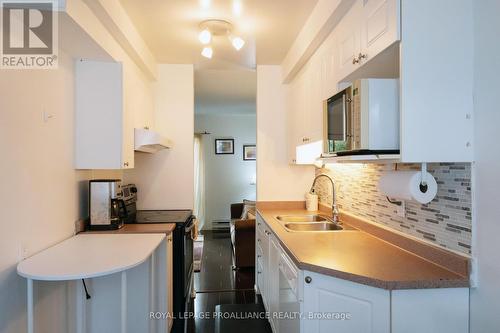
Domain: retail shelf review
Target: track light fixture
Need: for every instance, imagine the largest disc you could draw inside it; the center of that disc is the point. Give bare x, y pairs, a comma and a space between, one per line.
212, 28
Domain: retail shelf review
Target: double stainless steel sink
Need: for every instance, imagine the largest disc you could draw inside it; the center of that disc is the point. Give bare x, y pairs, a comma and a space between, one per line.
305, 223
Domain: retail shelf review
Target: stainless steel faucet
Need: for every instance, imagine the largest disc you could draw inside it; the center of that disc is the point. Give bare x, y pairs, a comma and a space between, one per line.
335, 211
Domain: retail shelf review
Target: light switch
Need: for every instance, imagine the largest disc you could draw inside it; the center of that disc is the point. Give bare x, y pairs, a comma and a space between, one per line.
48, 116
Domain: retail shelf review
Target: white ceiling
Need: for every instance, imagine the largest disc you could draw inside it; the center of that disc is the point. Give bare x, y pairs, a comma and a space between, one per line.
225, 91
170, 28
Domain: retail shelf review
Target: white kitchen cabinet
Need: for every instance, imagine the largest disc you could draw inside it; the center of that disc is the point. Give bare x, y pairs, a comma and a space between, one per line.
170, 284
104, 133
430, 310
291, 119
268, 257
329, 76
305, 107
314, 110
273, 275
328, 304
354, 308
435, 47
369, 28
349, 41
380, 26
262, 241
436, 66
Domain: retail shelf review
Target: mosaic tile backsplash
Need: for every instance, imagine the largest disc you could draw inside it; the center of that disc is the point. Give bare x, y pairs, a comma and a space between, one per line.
446, 221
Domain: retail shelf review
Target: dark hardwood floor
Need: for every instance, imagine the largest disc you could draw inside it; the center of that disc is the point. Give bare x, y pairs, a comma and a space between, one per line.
218, 284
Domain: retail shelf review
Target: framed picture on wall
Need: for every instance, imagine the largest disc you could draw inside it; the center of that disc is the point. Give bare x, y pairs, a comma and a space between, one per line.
224, 146
249, 152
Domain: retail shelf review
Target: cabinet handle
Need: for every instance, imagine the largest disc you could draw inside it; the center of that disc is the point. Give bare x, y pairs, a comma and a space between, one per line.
146, 127
308, 279
125, 164
259, 256
258, 272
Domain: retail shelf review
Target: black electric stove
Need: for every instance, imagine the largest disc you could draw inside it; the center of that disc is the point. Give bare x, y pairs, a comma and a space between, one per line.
182, 257
163, 216
182, 250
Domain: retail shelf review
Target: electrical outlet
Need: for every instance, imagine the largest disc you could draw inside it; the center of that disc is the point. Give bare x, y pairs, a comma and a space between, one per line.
401, 210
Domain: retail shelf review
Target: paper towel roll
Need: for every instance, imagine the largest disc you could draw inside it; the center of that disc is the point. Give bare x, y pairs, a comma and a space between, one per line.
406, 185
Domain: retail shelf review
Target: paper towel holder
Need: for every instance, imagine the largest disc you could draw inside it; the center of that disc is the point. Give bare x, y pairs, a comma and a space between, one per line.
423, 184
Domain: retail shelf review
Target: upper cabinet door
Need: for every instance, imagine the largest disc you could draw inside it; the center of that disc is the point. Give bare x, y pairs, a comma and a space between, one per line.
315, 103
329, 76
369, 28
348, 41
380, 26
104, 135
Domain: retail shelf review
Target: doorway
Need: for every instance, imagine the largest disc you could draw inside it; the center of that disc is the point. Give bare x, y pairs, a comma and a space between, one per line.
225, 144
225, 177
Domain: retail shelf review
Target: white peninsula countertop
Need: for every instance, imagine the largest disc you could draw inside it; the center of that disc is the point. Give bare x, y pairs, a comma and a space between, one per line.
87, 256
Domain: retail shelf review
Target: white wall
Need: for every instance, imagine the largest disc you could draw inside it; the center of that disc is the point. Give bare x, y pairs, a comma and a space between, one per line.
485, 300
276, 179
228, 178
165, 180
41, 195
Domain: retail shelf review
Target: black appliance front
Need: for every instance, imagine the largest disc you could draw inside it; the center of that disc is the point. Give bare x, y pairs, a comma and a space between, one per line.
182, 258
183, 273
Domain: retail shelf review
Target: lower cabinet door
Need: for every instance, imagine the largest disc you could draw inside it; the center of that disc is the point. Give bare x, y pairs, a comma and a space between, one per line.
274, 258
335, 305
443, 310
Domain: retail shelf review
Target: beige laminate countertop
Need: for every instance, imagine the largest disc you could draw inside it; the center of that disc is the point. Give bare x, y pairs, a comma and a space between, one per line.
358, 256
153, 228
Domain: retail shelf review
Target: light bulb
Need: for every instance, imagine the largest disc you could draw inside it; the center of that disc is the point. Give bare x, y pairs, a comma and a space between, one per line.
207, 52
205, 36
237, 8
237, 43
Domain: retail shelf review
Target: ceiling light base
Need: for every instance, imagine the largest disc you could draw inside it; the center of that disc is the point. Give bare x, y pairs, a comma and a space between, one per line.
217, 27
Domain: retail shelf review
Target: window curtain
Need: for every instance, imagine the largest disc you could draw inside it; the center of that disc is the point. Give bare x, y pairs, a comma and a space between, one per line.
199, 180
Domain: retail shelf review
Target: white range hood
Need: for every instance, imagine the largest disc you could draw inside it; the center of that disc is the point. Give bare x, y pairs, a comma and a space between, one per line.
148, 141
